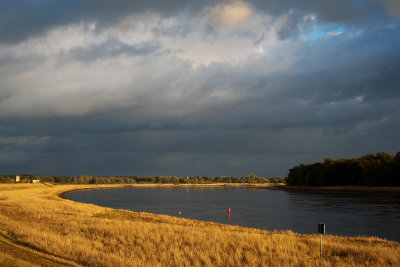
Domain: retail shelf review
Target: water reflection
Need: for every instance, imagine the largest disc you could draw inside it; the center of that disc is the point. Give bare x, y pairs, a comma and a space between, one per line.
343, 214
372, 215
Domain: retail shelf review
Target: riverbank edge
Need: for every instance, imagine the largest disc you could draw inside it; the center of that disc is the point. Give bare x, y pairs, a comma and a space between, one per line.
98, 186
273, 186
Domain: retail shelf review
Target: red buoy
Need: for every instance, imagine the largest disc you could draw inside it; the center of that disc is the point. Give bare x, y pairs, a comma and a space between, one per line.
229, 210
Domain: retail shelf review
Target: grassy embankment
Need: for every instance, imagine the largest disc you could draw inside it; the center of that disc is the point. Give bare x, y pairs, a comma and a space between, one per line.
45, 229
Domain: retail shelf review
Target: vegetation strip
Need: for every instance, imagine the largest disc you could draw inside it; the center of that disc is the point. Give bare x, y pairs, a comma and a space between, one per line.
172, 180
381, 169
89, 235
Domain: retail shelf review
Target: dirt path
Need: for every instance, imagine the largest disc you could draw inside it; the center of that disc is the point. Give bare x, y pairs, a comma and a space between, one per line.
27, 255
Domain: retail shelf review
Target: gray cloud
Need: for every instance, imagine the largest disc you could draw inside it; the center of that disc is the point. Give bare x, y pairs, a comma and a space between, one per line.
112, 48
340, 11
20, 20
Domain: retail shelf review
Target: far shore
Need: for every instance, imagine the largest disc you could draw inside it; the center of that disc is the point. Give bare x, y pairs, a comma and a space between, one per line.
340, 189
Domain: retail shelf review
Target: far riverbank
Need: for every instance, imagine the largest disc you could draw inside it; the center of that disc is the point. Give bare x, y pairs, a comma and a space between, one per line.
340, 189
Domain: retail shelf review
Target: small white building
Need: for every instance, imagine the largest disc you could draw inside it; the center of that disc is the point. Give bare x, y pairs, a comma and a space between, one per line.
17, 179
35, 181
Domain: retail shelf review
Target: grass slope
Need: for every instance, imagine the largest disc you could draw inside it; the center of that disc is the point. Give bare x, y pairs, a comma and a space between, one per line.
71, 233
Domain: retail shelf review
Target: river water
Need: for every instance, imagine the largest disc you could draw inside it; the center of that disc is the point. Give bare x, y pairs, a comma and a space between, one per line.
350, 214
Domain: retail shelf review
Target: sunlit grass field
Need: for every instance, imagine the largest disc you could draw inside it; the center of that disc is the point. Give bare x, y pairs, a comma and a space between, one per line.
70, 233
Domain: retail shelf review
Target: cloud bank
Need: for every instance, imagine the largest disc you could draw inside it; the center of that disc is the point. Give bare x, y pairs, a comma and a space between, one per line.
199, 88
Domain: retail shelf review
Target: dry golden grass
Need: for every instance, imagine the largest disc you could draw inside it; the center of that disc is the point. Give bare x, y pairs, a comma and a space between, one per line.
35, 215
10, 261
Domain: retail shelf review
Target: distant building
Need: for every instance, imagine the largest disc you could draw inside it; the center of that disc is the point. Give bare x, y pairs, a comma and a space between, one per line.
17, 178
35, 181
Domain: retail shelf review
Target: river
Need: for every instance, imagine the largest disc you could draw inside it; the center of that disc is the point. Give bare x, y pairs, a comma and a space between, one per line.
349, 214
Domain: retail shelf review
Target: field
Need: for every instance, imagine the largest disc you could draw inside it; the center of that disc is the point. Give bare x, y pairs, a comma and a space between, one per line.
40, 228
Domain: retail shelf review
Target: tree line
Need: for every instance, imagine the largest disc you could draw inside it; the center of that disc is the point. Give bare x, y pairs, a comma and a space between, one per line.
88, 179
380, 169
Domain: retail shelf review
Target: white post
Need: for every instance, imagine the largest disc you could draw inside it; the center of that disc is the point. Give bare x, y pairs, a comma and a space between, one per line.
320, 245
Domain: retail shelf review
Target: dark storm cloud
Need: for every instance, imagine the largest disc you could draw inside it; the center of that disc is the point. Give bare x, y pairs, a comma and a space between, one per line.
188, 152
21, 19
365, 66
168, 99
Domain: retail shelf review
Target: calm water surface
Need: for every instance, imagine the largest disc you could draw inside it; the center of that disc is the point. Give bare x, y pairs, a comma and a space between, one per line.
343, 214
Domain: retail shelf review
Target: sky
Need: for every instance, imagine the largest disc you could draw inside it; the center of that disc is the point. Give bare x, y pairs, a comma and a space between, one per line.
195, 88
